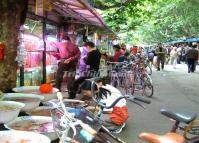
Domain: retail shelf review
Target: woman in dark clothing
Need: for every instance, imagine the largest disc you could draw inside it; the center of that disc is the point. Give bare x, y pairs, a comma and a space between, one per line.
93, 61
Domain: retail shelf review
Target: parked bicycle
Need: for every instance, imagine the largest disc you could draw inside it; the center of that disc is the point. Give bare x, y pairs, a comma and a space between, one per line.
144, 61
141, 81
132, 77
185, 122
119, 73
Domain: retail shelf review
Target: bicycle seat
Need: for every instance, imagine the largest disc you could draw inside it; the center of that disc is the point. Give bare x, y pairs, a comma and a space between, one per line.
167, 138
179, 116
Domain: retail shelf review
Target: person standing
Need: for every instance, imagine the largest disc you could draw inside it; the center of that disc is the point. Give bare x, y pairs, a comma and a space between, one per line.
118, 52
93, 62
161, 53
69, 55
134, 50
125, 57
173, 57
82, 68
192, 57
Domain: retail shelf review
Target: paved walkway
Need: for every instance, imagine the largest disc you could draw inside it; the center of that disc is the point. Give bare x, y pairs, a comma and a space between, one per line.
173, 89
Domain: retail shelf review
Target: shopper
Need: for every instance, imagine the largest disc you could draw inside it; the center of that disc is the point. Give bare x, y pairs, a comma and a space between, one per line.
69, 55
192, 57
93, 62
173, 57
118, 53
82, 67
161, 53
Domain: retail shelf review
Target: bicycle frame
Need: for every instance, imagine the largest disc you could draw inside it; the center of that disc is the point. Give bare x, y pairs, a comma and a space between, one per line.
139, 76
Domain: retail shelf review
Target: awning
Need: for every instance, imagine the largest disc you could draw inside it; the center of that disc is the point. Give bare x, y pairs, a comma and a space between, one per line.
76, 11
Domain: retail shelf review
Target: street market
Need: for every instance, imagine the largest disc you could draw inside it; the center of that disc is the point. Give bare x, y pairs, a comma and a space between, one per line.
97, 71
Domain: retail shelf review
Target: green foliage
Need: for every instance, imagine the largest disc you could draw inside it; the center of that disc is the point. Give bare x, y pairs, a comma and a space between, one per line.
151, 21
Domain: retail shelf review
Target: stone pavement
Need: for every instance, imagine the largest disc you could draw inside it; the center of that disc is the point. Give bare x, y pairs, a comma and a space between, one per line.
173, 89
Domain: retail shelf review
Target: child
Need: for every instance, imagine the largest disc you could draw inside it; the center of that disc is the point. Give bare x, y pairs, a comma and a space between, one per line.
117, 115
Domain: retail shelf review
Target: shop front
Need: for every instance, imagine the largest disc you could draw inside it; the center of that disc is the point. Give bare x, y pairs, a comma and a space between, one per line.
44, 24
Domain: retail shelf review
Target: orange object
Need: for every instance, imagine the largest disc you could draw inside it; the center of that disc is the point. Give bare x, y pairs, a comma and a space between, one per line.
61, 35
46, 88
167, 138
119, 115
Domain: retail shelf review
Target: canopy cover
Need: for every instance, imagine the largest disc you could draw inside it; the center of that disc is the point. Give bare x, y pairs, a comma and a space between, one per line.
76, 11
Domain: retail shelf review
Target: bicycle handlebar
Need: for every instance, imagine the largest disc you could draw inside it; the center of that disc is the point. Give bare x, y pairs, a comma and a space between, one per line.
130, 98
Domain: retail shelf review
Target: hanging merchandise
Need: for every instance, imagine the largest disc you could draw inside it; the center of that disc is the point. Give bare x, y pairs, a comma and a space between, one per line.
85, 34
21, 53
2, 46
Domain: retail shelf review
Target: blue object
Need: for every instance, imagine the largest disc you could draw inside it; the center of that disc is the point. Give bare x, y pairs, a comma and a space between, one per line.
89, 137
76, 111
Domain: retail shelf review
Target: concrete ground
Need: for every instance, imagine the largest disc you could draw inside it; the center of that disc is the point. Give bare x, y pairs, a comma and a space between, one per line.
173, 89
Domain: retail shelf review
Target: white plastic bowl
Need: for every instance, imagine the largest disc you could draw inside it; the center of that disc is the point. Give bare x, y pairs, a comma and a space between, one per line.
46, 129
8, 115
35, 90
30, 105
17, 136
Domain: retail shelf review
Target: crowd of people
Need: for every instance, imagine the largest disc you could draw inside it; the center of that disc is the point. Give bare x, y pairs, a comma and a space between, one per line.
85, 61
175, 54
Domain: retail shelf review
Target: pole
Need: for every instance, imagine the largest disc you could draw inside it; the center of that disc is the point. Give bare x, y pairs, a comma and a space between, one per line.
21, 70
20, 55
44, 51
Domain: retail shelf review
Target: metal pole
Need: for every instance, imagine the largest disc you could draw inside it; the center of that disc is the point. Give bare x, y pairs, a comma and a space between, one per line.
21, 69
20, 53
44, 51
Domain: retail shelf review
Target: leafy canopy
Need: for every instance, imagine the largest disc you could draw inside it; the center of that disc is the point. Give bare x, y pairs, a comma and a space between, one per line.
151, 21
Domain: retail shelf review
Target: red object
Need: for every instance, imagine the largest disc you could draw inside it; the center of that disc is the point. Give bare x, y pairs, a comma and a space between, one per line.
2, 46
119, 115
61, 35
134, 51
117, 55
46, 88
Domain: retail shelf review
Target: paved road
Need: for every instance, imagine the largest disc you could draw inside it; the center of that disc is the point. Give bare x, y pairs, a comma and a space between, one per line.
174, 89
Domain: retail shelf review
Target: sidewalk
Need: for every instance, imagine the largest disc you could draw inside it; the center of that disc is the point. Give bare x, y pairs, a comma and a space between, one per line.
173, 89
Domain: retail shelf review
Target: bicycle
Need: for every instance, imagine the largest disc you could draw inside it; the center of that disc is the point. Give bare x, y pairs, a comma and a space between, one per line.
120, 73
183, 121
77, 125
141, 80
81, 125
144, 60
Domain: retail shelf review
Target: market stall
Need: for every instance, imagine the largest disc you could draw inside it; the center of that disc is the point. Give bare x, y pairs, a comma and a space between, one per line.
75, 18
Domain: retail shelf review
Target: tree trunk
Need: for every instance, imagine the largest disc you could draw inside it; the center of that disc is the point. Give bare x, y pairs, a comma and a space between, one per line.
11, 12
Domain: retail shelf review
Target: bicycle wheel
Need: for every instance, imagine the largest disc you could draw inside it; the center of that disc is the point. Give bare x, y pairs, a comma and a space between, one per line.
126, 84
148, 86
136, 84
115, 80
